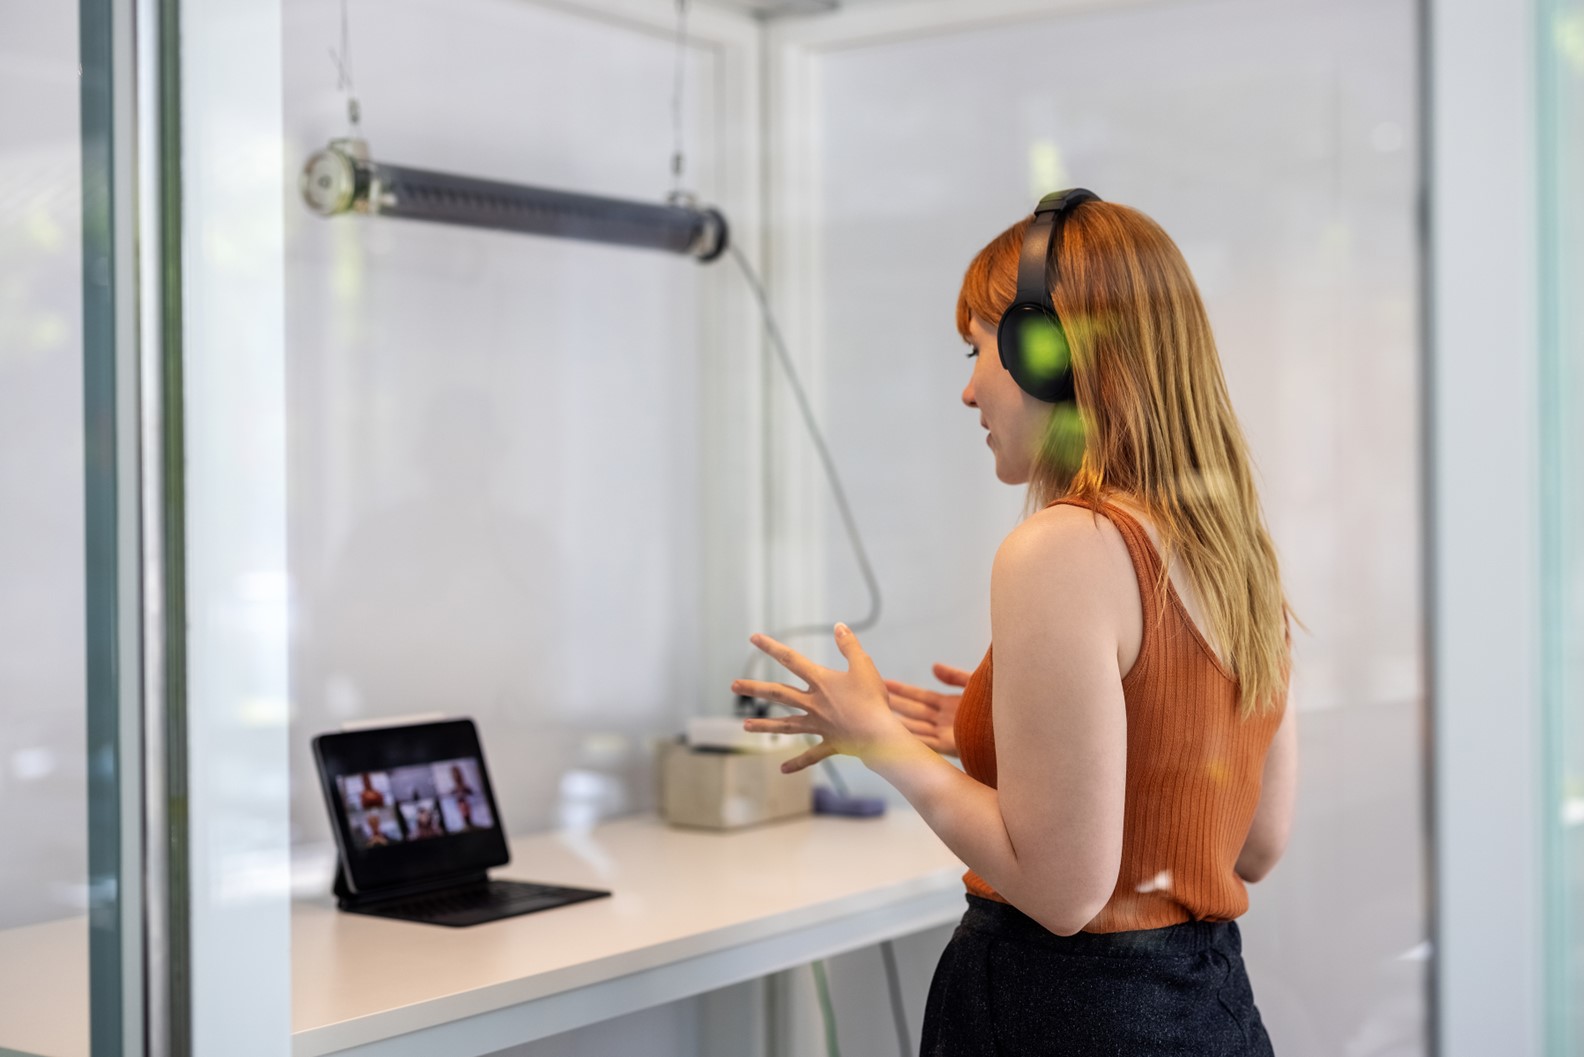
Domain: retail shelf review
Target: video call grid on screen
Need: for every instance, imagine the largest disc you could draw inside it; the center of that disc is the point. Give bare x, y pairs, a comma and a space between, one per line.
414, 803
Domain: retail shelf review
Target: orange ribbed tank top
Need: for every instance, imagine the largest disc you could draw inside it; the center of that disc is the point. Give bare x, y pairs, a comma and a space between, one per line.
1193, 767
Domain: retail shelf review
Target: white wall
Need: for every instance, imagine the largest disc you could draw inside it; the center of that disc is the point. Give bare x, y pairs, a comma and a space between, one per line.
1276, 144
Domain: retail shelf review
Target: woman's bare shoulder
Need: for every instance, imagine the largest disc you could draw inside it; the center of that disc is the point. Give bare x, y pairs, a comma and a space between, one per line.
1071, 539
1074, 531
1077, 561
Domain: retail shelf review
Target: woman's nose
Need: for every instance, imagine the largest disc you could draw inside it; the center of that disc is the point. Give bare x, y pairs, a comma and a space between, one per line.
968, 395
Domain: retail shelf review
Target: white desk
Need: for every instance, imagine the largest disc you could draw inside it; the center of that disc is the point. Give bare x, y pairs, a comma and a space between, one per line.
692, 912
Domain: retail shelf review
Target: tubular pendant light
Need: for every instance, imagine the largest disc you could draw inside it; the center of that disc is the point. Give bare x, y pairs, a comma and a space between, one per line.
343, 179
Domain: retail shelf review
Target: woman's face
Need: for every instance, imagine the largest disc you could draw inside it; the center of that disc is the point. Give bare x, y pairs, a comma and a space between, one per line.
1015, 420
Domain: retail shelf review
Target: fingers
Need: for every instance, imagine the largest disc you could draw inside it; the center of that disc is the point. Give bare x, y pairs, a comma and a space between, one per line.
788, 725
922, 711
786, 657
847, 642
912, 693
925, 698
778, 692
928, 700
951, 676
808, 759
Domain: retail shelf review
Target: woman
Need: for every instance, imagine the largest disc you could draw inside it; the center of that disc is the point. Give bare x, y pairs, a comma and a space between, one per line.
371, 797
1129, 759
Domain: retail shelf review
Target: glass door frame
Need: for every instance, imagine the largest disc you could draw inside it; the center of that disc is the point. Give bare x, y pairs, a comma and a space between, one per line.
1483, 509
183, 263
118, 936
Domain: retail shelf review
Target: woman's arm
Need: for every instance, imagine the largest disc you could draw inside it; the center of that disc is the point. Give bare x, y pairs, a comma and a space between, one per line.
1272, 825
1050, 838
849, 711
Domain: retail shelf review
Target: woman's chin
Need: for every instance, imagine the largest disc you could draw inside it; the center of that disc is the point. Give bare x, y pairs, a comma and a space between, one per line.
1010, 475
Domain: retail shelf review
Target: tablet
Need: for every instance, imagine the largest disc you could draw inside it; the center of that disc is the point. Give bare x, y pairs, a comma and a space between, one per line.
410, 804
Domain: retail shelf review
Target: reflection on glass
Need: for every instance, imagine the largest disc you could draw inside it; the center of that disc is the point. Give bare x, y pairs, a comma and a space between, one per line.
494, 439
1270, 142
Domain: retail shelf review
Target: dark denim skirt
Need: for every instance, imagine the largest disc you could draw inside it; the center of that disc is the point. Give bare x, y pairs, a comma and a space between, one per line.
1007, 987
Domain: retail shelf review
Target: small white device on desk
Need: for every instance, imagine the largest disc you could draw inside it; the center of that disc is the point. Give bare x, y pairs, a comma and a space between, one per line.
720, 776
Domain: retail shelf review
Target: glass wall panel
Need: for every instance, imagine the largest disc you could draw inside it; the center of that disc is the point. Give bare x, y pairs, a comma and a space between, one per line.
42, 680
62, 941
520, 476
1276, 145
497, 441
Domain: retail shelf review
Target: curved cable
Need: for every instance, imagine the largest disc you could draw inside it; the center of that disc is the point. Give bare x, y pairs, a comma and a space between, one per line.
778, 343
827, 1010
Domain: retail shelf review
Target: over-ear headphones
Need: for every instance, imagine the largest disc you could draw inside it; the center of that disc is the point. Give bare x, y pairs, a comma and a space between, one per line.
1032, 342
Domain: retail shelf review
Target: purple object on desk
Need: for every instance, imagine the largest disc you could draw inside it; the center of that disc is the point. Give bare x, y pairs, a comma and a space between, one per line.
828, 801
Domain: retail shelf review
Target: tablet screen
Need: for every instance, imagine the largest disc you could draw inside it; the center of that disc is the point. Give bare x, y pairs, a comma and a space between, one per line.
410, 803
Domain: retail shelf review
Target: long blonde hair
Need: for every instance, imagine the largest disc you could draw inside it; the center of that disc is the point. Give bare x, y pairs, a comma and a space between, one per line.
1155, 422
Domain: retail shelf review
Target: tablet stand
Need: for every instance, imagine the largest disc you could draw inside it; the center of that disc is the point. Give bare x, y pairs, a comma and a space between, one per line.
346, 899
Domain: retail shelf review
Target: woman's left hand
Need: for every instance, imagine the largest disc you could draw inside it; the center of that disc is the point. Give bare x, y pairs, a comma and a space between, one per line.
850, 710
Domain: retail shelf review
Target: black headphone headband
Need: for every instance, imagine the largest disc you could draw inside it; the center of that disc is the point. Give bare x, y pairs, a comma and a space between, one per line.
1039, 246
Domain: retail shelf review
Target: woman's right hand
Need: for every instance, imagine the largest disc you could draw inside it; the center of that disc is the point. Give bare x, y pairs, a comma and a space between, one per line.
930, 714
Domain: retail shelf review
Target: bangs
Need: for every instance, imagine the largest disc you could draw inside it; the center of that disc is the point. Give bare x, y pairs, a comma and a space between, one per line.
990, 284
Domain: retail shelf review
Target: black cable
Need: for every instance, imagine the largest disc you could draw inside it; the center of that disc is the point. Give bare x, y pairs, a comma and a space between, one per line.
779, 345
777, 342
